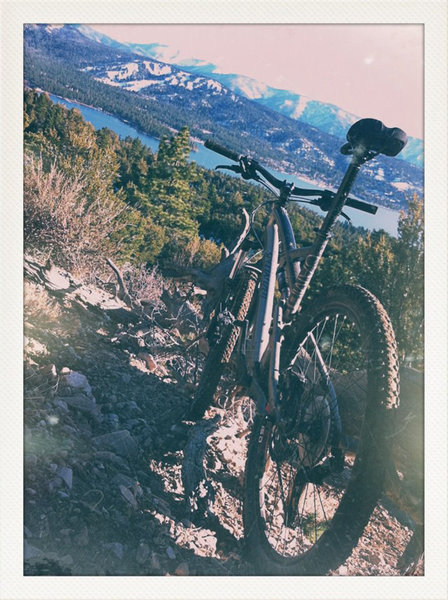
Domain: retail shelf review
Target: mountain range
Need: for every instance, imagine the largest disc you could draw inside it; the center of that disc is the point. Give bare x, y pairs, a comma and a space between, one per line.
158, 97
324, 116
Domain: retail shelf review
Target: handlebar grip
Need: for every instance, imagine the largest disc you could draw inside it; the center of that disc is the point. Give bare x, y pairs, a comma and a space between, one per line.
364, 206
211, 145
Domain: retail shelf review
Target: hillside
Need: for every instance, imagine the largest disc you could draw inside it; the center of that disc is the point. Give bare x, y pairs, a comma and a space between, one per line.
105, 391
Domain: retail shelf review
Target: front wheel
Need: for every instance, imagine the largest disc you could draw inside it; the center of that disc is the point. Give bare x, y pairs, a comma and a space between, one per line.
314, 476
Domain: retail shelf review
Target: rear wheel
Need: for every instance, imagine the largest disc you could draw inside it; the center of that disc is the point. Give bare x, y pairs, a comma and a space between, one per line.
234, 313
309, 491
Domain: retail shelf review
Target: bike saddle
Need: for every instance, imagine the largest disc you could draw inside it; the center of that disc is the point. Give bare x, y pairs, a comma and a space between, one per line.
373, 135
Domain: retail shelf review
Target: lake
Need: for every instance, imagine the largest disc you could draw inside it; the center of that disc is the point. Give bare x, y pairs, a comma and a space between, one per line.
385, 218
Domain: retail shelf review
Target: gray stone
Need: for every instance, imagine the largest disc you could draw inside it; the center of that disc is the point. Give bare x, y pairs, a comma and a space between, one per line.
170, 553
155, 562
116, 548
120, 442
61, 404
142, 553
30, 551
55, 484
82, 539
69, 429
27, 532
112, 420
30, 460
120, 479
129, 407
80, 402
107, 456
77, 381
66, 474
128, 496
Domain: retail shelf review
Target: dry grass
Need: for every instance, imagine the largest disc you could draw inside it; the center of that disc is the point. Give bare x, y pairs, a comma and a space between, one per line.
39, 307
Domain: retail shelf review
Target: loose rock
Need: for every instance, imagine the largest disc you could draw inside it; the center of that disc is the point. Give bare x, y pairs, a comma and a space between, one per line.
182, 569
119, 442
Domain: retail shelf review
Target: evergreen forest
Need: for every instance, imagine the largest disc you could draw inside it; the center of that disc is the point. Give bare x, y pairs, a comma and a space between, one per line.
89, 195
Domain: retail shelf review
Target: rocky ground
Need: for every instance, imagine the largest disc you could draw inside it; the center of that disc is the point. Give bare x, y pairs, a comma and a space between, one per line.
103, 454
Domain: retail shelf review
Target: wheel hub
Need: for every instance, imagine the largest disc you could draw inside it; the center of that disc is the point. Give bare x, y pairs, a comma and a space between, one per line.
314, 430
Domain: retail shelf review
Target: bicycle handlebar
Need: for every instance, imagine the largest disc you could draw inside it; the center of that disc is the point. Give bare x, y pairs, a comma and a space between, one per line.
254, 166
222, 150
360, 205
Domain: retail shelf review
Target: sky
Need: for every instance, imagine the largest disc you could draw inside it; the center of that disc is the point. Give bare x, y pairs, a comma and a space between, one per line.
369, 70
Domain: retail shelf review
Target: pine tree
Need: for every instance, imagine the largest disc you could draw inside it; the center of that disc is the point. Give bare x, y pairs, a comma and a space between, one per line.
172, 202
406, 309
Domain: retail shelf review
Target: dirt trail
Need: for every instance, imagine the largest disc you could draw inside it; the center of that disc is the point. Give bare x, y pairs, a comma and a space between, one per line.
103, 456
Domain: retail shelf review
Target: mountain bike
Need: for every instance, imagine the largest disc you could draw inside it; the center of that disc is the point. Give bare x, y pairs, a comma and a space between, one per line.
324, 380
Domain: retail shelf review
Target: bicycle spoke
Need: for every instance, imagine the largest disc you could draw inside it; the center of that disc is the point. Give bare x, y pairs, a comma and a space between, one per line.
322, 506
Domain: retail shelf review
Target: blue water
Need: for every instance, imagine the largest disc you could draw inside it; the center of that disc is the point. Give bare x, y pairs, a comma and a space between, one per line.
385, 218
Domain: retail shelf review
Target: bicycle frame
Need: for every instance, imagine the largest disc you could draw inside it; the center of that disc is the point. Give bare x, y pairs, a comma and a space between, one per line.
293, 268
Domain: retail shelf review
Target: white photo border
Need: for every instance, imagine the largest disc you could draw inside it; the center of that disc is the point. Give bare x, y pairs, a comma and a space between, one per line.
433, 15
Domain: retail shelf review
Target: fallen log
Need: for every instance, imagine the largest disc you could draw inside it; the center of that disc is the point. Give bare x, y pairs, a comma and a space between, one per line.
197, 489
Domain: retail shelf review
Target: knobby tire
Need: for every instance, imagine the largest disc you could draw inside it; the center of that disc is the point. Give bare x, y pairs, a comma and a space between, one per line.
335, 544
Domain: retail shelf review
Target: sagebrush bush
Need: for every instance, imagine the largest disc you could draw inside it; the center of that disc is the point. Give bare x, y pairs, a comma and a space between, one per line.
61, 222
143, 284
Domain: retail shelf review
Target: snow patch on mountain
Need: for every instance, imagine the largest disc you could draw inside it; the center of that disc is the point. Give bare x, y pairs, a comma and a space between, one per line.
214, 85
125, 72
136, 86
299, 107
156, 68
245, 86
51, 28
402, 186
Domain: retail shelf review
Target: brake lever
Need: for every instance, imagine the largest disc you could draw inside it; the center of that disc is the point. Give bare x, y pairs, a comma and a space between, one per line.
245, 168
324, 203
248, 168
